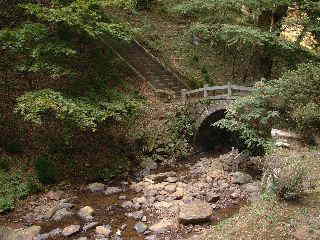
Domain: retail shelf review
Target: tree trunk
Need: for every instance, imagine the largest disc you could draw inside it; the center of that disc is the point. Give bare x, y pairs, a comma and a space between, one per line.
269, 20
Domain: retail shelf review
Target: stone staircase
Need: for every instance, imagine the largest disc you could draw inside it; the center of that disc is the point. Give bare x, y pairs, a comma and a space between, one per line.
150, 68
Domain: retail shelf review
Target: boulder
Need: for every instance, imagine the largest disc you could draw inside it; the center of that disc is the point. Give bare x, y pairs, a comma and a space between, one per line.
171, 188
112, 190
6, 233
140, 227
55, 232
29, 233
240, 178
253, 190
138, 215
88, 226
195, 211
86, 213
54, 195
62, 213
104, 230
276, 133
161, 226
96, 187
172, 179
127, 204
72, 229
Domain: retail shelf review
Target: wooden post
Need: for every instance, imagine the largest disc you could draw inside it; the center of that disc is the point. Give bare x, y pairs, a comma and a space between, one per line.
229, 90
205, 91
184, 95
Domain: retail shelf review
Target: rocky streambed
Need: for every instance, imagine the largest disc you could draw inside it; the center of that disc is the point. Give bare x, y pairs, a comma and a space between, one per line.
166, 205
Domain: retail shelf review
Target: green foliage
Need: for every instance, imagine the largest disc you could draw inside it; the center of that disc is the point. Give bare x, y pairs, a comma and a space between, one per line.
252, 117
54, 44
84, 113
15, 186
249, 32
181, 124
297, 97
38, 51
288, 102
82, 16
46, 170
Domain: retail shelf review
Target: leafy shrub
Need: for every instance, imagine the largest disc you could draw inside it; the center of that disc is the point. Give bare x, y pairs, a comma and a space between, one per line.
287, 178
291, 102
14, 186
6, 204
82, 112
46, 170
181, 123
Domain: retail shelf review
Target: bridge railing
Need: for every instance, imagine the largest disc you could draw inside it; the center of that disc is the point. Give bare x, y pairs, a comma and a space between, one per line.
205, 92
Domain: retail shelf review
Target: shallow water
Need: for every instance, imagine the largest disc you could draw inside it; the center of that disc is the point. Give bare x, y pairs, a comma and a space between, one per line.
108, 209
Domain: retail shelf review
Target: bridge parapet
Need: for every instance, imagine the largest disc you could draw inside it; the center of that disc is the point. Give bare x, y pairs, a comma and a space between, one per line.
207, 92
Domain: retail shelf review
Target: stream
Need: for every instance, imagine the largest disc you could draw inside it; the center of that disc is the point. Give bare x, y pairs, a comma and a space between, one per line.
193, 176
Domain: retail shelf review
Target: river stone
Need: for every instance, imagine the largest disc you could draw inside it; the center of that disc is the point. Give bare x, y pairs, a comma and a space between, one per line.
7, 233
96, 187
136, 206
253, 190
240, 178
54, 195
127, 204
68, 231
60, 214
171, 188
195, 211
140, 227
28, 233
161, 226
55, 232
86, 213
112, 190
151, 237
104, 230
136, 215
122, 197
172, 179
140, 200
43, 236
89, 226
82, 238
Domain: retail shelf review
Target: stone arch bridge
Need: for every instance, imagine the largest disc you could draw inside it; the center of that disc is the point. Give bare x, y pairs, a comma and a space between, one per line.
217, 98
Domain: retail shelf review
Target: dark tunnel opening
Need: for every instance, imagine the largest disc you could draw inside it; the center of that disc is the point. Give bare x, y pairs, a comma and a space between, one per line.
210, 138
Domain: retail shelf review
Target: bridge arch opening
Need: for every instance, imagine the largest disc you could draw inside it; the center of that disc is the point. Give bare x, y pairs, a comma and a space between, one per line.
211, 138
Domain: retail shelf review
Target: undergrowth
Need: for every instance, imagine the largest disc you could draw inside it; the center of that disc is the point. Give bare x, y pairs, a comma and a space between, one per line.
15, 186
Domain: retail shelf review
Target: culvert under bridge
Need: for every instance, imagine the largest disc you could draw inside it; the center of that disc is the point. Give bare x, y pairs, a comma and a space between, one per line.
212, 138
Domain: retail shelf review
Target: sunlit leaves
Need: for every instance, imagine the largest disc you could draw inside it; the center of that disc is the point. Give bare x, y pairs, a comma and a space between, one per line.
291, 101
81, 15
82, 112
